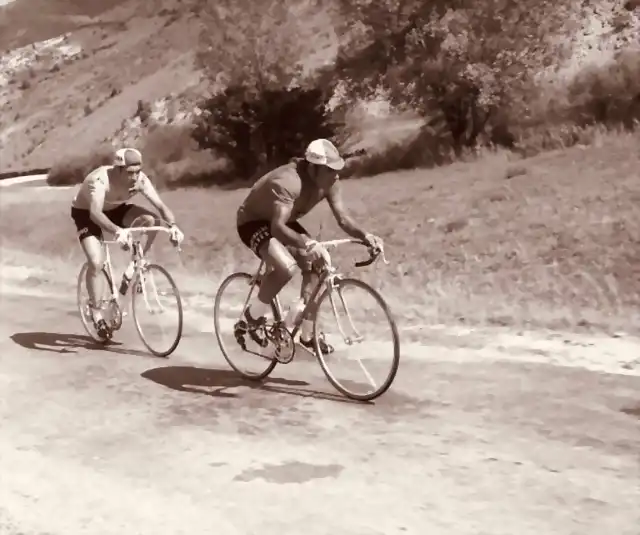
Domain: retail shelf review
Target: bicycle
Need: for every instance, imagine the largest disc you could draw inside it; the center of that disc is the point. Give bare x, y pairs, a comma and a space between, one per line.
143, 280
281, 337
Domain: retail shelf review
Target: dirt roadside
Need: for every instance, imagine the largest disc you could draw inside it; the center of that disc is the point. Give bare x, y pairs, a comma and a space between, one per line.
480, 434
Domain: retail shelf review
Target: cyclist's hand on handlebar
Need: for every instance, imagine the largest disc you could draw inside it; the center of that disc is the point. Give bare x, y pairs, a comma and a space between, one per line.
123, 237
316, 253
176, 236
374, 242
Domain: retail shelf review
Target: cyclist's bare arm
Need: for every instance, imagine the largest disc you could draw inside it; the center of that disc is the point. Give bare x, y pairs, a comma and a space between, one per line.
281, 231
151, 194
344, 220
96, 207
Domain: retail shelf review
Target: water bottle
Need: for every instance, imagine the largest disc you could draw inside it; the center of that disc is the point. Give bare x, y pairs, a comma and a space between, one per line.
126, 278
293, 314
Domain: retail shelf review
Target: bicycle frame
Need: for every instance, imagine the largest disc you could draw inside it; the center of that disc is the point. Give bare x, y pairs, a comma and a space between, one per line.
137, 257
327, 279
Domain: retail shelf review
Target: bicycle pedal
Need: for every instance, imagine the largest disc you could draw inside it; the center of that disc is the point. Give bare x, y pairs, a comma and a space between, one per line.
239, 336
105, 333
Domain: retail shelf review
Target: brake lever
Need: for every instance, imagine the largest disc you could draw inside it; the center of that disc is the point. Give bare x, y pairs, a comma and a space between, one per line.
365, 263
384, 258
374, 254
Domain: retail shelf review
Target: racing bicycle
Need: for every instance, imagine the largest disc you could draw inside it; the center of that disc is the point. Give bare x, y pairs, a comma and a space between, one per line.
150, 284
327, 305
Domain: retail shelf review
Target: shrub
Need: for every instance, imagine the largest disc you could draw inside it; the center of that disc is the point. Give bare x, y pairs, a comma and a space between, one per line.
198, 170
143, 111
75, 169
608, 94
257, 130
164, 143
421, 151
457, 64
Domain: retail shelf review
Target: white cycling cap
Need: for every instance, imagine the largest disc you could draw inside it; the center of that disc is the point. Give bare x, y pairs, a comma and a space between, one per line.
127, 158
323, 152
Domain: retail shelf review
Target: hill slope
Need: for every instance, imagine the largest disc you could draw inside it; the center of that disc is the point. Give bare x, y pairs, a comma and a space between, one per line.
72, 71
67, 95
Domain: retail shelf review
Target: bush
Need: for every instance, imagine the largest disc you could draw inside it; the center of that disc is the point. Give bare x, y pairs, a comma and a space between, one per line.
172, 159
75, 169
258, 130
167, 143
422, 151
608, 94
198, 169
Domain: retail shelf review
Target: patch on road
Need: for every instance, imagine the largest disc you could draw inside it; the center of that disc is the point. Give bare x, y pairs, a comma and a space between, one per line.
290, 472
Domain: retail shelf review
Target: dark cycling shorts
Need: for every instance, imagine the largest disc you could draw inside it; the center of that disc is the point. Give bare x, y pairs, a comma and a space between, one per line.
86, 226
255, 234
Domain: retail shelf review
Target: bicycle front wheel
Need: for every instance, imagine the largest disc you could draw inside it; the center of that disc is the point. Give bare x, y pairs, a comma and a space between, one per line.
155, 294
356, 321
245, 356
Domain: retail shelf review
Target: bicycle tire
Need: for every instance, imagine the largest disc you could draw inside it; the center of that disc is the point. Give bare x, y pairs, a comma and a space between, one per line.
340, 284
88, 325
134, 299
271, 364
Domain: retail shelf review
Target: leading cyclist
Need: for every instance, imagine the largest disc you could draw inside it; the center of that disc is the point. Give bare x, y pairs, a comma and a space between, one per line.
101, 203
267, 223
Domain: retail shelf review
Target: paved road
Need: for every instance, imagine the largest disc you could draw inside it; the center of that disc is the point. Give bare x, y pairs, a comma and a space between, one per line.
114, 441
24, 181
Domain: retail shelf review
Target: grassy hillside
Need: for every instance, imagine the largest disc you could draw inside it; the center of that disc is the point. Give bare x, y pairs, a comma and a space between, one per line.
556, 246
66, 98
126, 51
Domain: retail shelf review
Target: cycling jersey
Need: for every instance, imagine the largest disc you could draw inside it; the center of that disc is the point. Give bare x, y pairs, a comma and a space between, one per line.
282, 186
97, 184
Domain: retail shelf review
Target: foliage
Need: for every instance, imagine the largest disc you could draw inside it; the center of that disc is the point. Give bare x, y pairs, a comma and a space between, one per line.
455, 61
257, 131
74, 170
263, 108
608, 94
252, 44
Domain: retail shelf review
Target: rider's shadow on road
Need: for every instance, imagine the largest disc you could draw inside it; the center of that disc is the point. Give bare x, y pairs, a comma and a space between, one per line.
216, 383
68, 343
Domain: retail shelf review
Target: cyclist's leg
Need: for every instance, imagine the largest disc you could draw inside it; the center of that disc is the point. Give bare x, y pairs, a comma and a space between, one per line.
128, 215
310, 277
279, 262
90, 237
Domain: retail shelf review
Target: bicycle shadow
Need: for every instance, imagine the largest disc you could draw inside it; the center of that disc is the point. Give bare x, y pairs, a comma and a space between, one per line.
215, 382
69, 343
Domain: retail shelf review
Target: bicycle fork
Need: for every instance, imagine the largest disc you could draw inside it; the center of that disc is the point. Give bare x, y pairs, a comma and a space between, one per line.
334, 289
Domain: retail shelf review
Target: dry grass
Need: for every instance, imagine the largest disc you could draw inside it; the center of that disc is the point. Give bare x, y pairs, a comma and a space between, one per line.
555, 247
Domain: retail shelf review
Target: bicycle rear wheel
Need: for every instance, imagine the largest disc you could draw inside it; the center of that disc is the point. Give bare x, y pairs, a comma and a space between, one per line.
372, 349
252, 362
110, 308
154, 292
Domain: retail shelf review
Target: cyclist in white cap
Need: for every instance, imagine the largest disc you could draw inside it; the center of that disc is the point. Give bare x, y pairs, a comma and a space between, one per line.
267, 223
101, 203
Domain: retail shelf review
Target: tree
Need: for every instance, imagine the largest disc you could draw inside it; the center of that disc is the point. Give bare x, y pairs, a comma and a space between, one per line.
264, 108
257, 44
458, 61
265, 130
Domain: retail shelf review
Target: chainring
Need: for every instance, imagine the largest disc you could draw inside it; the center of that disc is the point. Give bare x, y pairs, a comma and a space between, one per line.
284, 346
115, 315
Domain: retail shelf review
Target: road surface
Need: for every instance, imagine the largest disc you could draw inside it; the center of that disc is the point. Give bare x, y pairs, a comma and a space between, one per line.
96, 441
